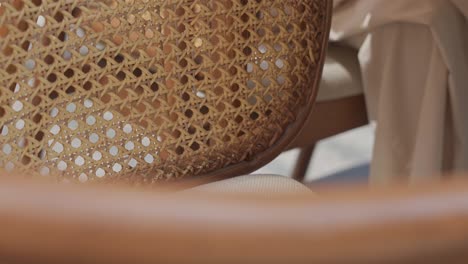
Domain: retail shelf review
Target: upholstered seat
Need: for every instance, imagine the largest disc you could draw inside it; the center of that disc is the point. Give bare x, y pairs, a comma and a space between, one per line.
250, 184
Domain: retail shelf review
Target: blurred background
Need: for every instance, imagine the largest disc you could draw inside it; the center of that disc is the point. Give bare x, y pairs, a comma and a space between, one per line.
340, 159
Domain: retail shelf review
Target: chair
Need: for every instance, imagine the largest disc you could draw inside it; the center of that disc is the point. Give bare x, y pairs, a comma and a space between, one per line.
340, 105
151, 91
70, 224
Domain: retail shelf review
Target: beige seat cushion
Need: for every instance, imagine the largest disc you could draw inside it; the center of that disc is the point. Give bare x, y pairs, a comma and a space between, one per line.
341, 74
272, 184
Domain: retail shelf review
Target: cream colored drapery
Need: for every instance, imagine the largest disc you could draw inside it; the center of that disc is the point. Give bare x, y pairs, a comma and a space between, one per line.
414, 60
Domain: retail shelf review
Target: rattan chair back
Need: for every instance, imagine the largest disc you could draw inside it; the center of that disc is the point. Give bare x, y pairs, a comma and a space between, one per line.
150, 90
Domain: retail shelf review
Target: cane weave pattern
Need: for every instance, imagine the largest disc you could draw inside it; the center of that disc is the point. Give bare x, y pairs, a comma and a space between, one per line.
149, 90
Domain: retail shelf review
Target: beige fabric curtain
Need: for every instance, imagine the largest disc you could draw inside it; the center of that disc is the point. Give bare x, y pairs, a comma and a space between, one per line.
414, 60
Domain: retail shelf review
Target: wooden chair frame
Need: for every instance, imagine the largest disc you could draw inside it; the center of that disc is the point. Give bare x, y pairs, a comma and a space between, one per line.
67, 224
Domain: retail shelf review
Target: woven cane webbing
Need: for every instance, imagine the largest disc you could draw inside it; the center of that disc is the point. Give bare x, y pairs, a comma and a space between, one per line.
148, 90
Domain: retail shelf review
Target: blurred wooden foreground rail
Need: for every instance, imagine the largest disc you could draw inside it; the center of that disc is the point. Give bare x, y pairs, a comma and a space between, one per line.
64, 224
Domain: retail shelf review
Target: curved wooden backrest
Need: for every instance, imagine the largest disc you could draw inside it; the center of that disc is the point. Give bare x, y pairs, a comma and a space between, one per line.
65, 224
145, 91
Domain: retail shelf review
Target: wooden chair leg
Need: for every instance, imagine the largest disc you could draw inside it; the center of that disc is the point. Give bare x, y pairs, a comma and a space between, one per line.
302, 163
